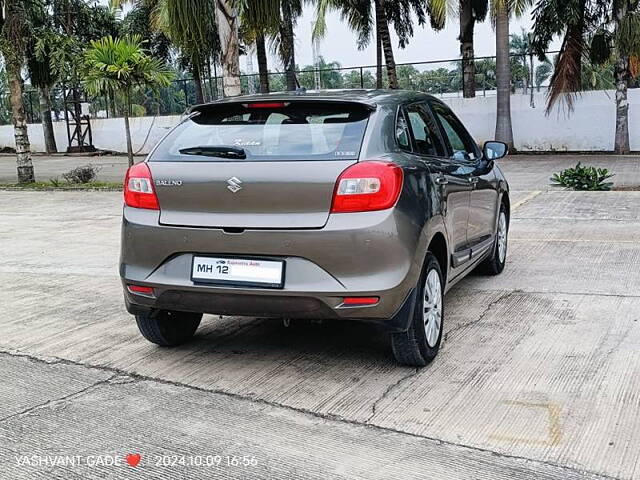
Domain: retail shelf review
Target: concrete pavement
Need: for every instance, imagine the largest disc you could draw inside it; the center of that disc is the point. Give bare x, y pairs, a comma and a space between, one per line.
538, 376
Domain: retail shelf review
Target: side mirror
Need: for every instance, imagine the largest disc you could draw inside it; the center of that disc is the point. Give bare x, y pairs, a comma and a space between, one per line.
495, 150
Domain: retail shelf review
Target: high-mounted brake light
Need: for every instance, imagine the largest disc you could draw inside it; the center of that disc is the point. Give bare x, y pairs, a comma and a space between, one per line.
367, 186
266, 105
138, 188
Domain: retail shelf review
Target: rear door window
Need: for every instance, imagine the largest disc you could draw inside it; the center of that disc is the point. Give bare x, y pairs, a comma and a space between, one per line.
268, 131
462, 145
424, 132
402, 131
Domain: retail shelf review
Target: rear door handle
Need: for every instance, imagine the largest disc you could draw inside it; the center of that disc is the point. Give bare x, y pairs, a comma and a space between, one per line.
441, 181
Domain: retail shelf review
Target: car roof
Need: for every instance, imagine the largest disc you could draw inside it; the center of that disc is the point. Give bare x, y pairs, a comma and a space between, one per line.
372, 98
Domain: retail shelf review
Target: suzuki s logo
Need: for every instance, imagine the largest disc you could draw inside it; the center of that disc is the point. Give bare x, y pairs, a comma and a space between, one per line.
234, 184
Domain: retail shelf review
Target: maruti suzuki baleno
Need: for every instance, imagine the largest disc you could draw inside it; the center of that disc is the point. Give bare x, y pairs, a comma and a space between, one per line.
357, 205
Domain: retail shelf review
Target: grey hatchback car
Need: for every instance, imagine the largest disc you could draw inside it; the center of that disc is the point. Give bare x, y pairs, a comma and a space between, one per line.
357, 205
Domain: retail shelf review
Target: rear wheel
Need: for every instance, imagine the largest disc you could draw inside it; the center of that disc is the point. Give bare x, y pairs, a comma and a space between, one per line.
168, 328
494, 265
421, 342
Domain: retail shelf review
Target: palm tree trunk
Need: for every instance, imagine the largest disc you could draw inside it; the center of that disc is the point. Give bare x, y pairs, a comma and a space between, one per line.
227, 21
263, 68
111, 103
197, 80
47, 123
622, 77
622, 142
23, 147
378, 61
504, 130
287, 46
127, 128
467, 26
382, 29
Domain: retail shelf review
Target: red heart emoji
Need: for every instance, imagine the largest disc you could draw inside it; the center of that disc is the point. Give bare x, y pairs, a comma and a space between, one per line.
133, 459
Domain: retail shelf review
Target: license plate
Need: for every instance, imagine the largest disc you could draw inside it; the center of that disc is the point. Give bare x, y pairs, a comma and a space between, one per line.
248, 272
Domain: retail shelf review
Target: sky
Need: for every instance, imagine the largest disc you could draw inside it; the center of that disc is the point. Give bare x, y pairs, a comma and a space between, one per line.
340, 43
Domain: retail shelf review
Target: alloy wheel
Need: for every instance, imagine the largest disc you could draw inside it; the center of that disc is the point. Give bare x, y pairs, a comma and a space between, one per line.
502, 237
432, 307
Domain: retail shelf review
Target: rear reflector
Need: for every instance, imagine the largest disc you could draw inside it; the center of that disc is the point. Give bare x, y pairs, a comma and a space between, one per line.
367, 186
356, 301
140, 289
138, 188
266, 105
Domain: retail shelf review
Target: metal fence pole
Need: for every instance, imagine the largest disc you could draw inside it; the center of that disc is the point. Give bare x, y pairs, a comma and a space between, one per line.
361, 78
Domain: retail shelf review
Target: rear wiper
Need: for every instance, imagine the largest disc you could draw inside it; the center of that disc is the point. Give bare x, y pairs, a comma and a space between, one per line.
223, 151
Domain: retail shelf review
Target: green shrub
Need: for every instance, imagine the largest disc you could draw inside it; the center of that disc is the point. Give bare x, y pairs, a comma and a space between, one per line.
584, 178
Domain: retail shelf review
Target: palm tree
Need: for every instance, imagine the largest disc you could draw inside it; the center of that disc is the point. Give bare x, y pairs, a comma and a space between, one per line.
520, 45
616, 40
43, 79
626, 25
502, 10
14, 32
259, 19
363, 16
227, 22
120, 65
471, 11
504, 128
191, 25
41, 75
291, 10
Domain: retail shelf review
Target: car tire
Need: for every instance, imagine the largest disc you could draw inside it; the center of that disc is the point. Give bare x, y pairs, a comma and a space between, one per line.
419, 345
494, 265
168, 328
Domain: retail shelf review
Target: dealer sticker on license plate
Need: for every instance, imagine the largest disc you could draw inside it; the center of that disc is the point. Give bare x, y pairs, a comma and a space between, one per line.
238, 271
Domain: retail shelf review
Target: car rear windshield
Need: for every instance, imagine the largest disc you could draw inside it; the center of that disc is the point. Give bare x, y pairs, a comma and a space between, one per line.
267, 131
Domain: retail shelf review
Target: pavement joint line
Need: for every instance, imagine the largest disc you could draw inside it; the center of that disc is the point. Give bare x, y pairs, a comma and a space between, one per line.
54, 401
322, 416
575, 219
569, 240
552, 292
485, 311
525, 200
388, 391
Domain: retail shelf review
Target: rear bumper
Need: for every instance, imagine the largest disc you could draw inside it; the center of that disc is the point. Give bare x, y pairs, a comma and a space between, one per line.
364, 254
265, 306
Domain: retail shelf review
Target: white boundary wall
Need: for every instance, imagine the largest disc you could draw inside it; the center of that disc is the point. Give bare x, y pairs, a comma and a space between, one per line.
591, 127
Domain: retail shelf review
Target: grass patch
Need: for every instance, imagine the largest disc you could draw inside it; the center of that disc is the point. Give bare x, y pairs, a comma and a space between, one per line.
64, 186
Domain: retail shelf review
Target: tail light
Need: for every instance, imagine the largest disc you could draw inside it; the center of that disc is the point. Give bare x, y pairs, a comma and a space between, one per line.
367, 186
138, 188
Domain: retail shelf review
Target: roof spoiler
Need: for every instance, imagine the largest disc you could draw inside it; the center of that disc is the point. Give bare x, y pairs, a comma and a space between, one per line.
293, 99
